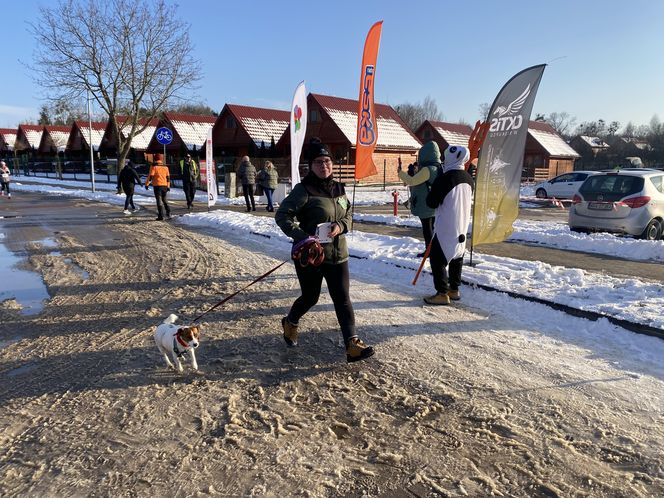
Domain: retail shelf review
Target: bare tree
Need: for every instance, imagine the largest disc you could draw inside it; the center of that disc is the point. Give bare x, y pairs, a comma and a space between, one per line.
133, 56
484, 108
415, 114
562, 122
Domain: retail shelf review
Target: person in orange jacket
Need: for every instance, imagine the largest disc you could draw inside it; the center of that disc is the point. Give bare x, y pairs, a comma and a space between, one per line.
160, 179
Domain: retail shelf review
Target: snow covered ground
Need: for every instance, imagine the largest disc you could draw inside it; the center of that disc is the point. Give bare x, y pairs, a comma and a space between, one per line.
628, 299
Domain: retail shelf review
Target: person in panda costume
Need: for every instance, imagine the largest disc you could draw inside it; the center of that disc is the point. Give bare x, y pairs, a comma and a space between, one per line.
451, 196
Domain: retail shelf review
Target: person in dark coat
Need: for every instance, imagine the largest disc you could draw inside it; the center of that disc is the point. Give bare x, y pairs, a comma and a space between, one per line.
317, 209
246, 173
127, 179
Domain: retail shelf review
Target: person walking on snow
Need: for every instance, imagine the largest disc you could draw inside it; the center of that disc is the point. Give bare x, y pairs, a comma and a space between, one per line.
319, 199
247, 176
189, 172
451, 195
126, 180
160, 178
268, 178
5, 178
419, 184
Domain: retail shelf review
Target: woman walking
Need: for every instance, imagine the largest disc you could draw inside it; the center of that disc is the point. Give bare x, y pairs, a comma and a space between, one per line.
316, 215
268, 178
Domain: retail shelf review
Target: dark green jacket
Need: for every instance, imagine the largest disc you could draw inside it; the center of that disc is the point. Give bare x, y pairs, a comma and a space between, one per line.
312, 202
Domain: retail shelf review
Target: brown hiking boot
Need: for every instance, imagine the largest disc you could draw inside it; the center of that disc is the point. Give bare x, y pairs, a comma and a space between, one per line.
454, 295
438, 299
357, 350
290, 332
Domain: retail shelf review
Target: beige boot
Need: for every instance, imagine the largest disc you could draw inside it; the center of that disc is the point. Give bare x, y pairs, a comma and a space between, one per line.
438, 299
454, 295
357, 350
290, 332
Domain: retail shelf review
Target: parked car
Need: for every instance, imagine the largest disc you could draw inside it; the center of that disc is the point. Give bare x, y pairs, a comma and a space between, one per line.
629, 201
562, 186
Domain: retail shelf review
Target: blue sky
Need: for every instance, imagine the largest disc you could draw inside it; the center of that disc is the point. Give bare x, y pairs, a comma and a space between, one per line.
607, 58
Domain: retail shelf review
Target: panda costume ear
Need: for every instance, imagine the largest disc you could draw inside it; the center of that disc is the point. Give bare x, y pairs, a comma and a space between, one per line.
454, 157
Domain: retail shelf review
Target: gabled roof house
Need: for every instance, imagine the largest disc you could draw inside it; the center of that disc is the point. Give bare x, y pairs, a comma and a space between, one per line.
334, 121
80, 136
140, 141
7, 139
546, 153
189, 133
243, 130
28, 137
53, 140
444, 134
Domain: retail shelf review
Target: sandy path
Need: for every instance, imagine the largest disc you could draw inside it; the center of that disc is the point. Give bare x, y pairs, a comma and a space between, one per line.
457, 402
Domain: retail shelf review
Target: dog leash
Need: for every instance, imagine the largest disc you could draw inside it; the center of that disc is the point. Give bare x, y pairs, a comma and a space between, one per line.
237, 292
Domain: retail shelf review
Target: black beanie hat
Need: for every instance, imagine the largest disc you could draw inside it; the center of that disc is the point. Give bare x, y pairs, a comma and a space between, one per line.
317, 149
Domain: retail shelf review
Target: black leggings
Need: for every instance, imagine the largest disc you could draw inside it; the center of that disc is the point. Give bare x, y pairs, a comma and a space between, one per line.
439, 269
337, 278
129, 192
5, 186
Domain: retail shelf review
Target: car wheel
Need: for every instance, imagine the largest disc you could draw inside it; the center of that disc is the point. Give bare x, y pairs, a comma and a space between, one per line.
653, 230
540, 193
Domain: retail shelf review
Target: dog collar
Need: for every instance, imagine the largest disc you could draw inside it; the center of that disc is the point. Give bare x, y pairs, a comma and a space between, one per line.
176, 340
179, 339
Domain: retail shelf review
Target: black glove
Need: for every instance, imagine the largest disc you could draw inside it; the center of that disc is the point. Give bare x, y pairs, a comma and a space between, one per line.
168, 189
147, 188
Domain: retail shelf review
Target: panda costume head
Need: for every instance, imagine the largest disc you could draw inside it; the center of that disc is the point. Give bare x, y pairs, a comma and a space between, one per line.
455, 157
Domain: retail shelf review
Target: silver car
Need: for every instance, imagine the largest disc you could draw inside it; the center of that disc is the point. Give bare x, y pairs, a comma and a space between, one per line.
629, 201
562, 186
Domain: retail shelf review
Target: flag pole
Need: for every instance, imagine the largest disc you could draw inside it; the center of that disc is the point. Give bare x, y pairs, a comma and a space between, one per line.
92, 159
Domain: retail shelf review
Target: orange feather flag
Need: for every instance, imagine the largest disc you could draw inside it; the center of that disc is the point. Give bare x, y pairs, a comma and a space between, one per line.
367, 124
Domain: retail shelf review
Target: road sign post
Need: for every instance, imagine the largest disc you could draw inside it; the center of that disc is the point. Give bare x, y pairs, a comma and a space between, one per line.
164, 136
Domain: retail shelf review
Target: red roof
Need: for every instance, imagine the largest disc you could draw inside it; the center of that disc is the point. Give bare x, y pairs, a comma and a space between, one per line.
32, 127
244, 111
350, 105
541, 126
8, 130
51, 128
342, 104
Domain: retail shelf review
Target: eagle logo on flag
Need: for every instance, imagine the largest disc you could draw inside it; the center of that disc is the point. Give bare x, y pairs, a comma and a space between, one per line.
515, 106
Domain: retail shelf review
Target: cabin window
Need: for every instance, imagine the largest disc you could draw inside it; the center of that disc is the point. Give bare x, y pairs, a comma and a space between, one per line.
230, 122
427, 134
314, 117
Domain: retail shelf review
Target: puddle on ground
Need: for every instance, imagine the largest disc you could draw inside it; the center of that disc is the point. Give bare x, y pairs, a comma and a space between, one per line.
26, 287
77, 269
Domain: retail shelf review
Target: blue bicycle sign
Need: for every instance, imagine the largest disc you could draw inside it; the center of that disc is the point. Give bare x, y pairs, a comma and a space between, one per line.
164, 136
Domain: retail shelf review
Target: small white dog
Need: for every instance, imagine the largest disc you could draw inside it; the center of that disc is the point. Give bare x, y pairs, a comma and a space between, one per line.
176, 341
